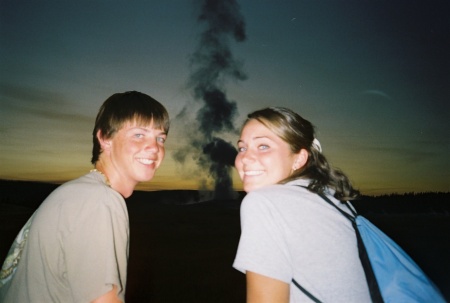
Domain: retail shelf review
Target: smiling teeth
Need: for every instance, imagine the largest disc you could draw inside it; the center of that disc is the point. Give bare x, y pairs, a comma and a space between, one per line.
146, 161
253, 172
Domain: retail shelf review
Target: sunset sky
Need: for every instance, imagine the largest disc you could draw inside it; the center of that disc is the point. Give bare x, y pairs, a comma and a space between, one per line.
373, 76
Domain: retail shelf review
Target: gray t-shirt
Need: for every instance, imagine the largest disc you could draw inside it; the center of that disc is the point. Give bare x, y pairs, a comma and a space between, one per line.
289, 232
76, 246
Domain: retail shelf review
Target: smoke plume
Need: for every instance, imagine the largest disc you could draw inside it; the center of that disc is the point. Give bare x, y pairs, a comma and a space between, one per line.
212, 65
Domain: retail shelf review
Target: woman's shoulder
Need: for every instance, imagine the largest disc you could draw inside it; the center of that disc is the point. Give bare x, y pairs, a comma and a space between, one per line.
272, 194
277, 189
289, 193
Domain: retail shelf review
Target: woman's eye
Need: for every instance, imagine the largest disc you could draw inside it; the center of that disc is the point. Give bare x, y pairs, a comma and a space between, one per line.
161, 139
139, 135
241, 149
263, 147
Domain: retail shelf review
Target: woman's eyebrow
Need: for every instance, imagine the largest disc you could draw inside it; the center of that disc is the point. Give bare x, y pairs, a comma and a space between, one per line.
254, 138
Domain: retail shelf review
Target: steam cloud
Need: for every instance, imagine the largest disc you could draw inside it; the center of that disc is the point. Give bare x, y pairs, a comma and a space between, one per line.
212, 65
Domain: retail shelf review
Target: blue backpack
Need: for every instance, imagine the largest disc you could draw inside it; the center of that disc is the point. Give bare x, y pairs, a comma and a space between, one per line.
392, 276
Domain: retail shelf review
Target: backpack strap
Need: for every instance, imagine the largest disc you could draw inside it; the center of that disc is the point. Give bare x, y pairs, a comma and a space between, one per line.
306, 292
348, 216
372, 283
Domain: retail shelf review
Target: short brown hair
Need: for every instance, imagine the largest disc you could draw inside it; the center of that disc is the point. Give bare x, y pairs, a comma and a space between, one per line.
125, 107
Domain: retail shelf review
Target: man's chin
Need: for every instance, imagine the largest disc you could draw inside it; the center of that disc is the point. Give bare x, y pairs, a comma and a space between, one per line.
146, 177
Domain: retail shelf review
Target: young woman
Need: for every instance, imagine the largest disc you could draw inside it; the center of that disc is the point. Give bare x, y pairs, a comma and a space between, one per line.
288, 231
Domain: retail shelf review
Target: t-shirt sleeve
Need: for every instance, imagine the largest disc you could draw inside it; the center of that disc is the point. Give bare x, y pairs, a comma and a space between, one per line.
262, 246
96, 252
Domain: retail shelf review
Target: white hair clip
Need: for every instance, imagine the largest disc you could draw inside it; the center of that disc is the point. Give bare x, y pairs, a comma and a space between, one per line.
316, 145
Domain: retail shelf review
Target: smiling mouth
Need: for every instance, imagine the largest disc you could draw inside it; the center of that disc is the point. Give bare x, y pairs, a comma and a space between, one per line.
145, 161
253, 172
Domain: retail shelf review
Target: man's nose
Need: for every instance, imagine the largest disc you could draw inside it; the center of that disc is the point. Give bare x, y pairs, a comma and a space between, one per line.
152, 145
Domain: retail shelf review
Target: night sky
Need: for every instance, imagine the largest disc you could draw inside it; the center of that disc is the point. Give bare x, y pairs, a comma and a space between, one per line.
373, 76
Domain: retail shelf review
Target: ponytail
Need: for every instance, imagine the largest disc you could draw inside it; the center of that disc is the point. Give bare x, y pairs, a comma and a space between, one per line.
323, 176
299, 134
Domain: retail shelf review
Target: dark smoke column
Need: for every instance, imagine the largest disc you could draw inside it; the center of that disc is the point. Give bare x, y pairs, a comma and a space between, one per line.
212, 64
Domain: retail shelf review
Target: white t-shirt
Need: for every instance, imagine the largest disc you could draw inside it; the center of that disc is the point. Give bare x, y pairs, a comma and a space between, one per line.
290, 233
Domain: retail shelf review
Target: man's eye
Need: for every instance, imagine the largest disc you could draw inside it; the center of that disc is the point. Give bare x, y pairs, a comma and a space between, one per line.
139, 135
161, 139
263, 146
241, 149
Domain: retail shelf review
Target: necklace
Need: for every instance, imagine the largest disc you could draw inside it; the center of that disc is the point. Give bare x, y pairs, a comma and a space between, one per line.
106, 178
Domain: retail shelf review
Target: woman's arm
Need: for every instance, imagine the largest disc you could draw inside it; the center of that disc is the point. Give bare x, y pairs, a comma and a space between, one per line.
262, 289
109, 297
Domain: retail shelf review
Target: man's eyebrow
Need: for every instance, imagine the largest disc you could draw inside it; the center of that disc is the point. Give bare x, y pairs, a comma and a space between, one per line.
161, 132
142, 128
146, 129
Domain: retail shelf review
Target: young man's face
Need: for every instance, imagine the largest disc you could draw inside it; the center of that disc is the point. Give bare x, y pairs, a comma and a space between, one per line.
136, 152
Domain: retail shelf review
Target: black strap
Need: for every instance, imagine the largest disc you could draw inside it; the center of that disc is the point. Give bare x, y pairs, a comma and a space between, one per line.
306, 292
372, 283
351, 218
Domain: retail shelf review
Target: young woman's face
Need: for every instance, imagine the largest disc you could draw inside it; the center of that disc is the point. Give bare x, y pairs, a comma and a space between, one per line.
263, 158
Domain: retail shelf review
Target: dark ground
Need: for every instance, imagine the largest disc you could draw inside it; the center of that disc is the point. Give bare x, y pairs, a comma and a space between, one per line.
184, 253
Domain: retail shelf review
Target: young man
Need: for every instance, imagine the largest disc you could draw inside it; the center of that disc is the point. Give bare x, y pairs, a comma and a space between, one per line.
75, 246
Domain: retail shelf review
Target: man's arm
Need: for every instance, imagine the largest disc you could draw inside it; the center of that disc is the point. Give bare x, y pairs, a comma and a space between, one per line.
262, 289
109, 297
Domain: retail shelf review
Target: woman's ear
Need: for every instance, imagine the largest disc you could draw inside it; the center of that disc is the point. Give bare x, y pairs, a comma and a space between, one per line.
300, 159
105, 144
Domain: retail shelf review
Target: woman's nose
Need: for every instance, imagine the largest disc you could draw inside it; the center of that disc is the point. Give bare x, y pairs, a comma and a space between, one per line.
247, 157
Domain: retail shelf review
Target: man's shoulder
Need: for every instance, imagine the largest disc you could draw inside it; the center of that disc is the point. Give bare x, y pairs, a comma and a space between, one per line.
88, 185
88, 181
86, 191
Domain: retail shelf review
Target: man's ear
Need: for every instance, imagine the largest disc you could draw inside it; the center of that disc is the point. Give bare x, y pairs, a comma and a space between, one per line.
105, 144
300, 159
